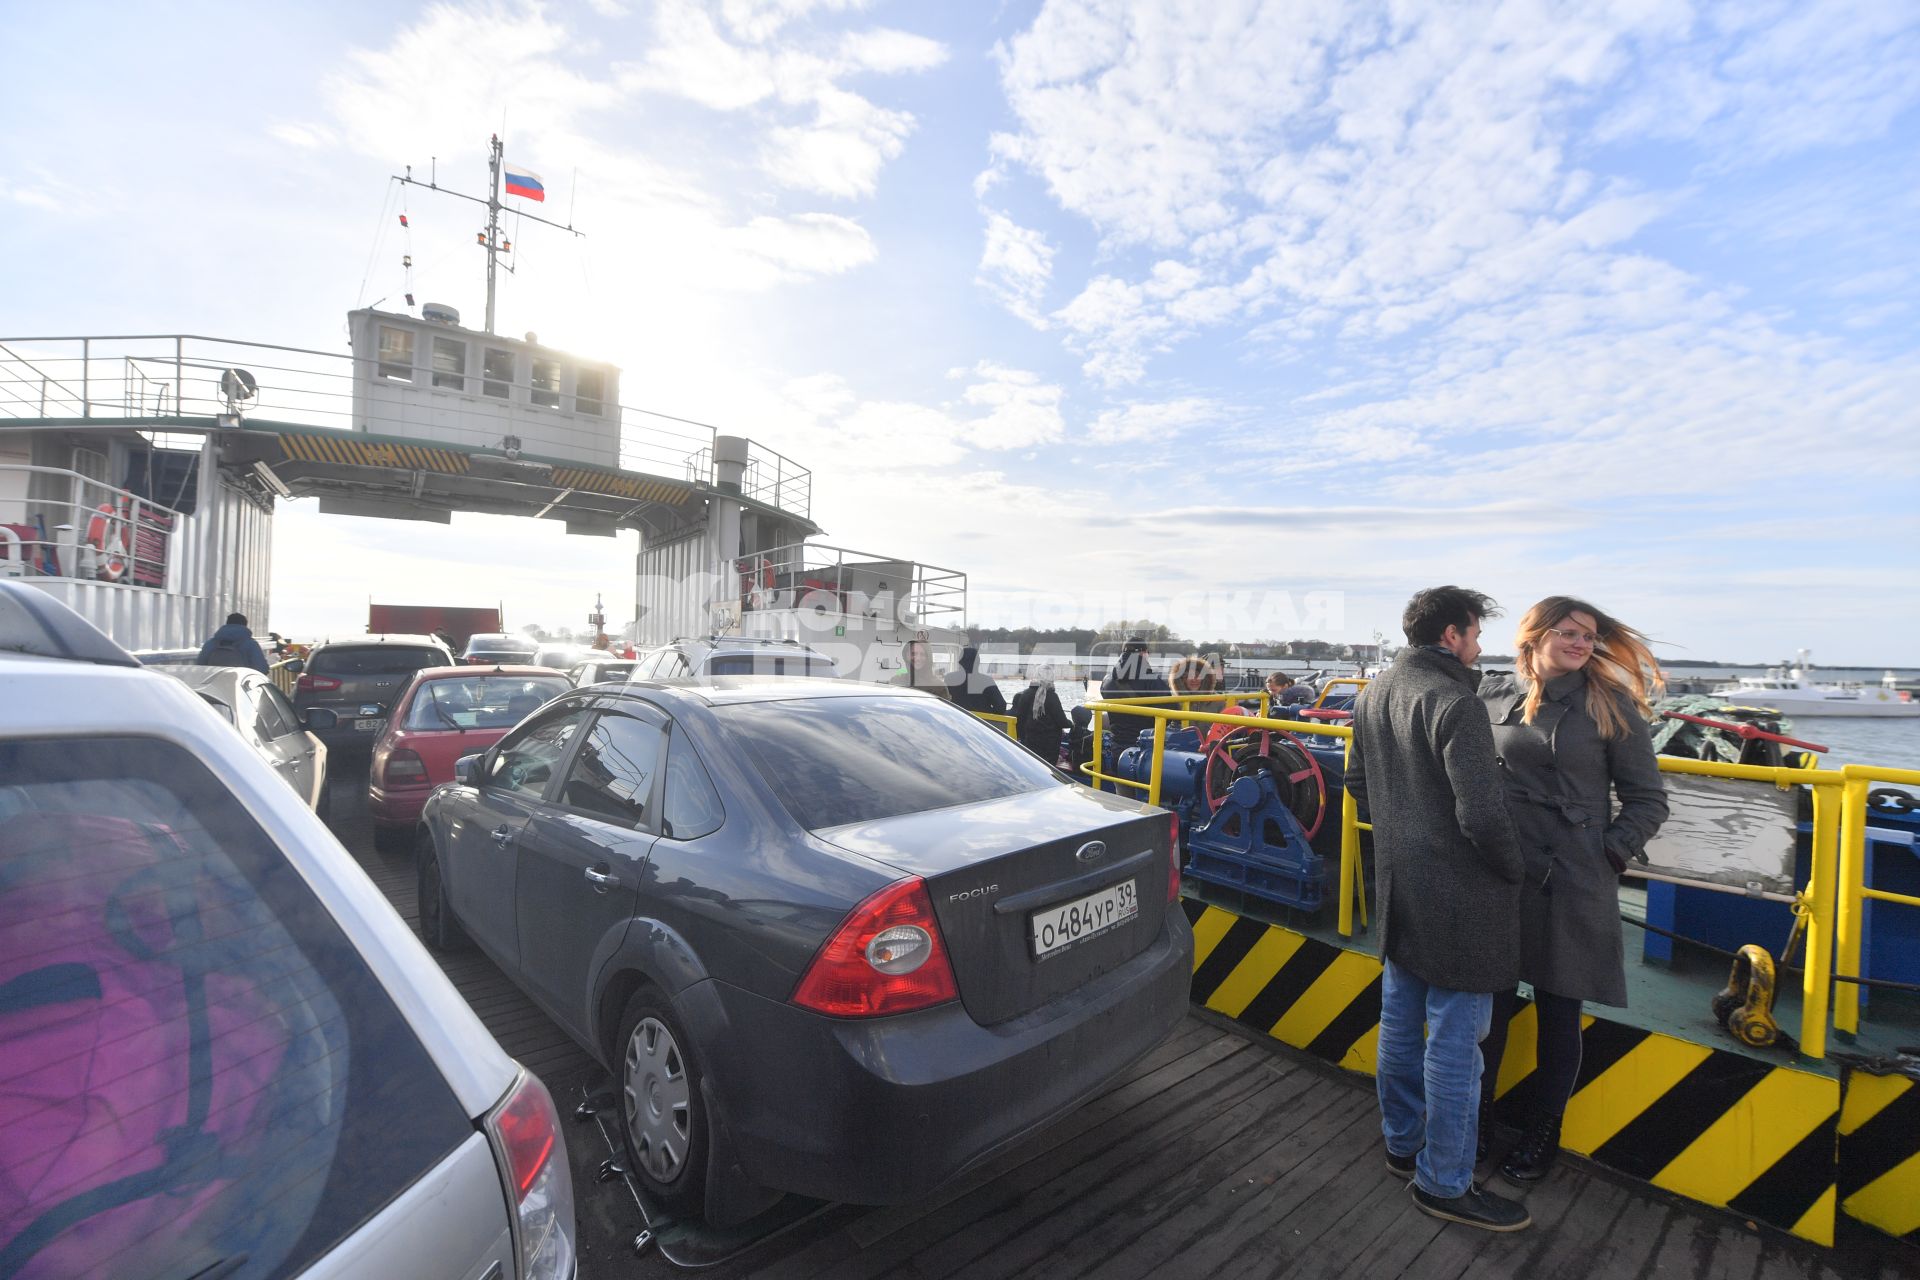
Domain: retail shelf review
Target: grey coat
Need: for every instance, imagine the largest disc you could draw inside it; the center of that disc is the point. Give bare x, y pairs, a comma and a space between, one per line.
1446, 862
1559, 772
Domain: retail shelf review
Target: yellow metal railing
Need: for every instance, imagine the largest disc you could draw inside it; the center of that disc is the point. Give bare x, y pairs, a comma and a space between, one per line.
1854, 890
1007, 723
1831, 902
283, 679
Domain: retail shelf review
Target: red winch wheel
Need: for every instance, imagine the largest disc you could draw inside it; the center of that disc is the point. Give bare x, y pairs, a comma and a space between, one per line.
1229, 754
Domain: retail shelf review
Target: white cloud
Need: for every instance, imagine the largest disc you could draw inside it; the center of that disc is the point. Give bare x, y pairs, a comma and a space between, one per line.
1021, 410
1015, 265
841, 150
807, 244
308, 137
1149, 420
609, 8
816, 134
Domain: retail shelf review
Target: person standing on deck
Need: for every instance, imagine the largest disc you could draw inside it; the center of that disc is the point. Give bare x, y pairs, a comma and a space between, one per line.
233, 645
1131, 677
1447, 873
970, 689
1038, 717
1570, 726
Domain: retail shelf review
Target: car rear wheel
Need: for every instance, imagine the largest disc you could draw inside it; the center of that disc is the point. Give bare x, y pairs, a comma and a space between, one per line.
438, 929
662, 1113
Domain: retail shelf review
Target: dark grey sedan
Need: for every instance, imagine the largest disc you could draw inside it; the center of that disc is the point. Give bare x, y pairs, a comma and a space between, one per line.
830, 938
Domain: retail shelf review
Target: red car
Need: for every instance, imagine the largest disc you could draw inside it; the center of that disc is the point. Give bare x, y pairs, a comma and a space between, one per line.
445, 713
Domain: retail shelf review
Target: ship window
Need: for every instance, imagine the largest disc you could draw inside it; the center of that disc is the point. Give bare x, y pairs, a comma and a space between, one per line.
589, 390
546, 383
450, 363
499, 373
396, 353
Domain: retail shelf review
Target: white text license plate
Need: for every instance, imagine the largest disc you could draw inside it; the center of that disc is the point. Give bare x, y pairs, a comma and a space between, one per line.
1083, 918
369, 726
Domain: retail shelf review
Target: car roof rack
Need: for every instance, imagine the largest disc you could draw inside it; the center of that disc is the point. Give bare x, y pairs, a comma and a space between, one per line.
33, 622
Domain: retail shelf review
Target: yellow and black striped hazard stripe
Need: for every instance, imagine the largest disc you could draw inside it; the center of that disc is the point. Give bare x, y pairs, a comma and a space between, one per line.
1713, 1125
620, 485
342, 449
1880, 1153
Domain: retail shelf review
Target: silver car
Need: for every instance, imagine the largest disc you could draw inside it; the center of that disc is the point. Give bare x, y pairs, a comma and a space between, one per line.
239, 1061
261, 714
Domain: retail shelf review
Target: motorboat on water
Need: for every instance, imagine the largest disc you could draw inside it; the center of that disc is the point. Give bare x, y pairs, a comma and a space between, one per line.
1792, 690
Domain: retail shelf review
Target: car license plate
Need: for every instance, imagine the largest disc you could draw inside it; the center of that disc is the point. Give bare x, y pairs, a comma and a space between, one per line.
1083, 918
369, 726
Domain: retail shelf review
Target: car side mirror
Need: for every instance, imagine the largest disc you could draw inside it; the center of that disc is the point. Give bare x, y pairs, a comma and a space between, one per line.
467, 769
296, 666
319, 719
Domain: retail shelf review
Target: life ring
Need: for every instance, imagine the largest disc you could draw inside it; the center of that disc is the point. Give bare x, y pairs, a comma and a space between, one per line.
1892, 800
105, 535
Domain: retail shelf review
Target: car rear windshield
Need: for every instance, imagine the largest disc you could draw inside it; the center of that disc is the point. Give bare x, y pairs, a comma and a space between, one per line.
373, 660
480, 702
217, 1082
769, 664
838, 760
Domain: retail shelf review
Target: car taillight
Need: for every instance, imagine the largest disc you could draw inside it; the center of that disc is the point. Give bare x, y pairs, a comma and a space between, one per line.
525, 1132
1173, 857
317, 684
887, 956
404, 768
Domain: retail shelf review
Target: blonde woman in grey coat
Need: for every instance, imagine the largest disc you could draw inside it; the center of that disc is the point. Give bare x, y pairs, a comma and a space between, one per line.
1576, 759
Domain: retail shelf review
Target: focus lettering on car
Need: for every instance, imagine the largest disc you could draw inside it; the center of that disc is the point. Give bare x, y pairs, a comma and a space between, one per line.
980, 892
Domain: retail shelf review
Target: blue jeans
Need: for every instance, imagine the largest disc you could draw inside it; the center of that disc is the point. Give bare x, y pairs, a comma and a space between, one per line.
1431, 1091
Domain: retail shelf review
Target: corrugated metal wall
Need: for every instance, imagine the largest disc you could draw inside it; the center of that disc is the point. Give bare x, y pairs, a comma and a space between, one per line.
675, 589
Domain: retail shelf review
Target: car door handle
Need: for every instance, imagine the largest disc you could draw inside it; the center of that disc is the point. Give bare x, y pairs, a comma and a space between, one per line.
501, 834
601, 879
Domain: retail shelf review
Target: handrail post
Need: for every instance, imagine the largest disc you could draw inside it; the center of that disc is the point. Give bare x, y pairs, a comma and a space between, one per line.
1848, 907
1817, 982
177, 378
86, 376
1159, 757
1349, 849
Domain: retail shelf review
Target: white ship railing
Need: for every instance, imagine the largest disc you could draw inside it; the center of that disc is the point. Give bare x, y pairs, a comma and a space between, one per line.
841, 580
97, 533
146, 378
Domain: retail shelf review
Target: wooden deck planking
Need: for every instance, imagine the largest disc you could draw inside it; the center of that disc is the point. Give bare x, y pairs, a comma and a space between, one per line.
1218, 1155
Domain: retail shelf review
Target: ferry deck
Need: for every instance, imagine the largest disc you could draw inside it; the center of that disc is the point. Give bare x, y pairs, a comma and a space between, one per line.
1223, 1153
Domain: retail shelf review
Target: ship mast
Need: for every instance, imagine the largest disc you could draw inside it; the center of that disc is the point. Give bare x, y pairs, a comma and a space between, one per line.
490, 238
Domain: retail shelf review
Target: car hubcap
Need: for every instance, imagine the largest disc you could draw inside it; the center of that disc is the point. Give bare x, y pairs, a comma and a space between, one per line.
657, 1099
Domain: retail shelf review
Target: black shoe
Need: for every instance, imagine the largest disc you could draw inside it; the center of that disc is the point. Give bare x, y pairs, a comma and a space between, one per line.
1486, 1130
1538, 1149
1476, 1208
1401, 1166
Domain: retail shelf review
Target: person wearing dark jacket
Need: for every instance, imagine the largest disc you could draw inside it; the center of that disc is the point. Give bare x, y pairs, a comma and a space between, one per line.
233, 645
1447, 877
1039, 719
1132, 677
973, 691
1570, 726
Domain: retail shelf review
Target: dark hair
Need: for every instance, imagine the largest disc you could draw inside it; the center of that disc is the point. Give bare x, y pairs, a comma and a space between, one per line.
236, 619
1431, 612
1281, 676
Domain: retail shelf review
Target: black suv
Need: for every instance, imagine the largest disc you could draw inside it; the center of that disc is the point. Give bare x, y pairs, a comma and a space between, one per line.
731, 656
359, 679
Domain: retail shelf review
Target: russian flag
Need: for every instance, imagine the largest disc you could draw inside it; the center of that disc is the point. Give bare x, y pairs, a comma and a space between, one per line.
526, 184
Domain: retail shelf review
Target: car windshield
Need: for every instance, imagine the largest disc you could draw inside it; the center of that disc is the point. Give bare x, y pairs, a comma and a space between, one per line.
372, 660
479, 702
597, 672
833, 761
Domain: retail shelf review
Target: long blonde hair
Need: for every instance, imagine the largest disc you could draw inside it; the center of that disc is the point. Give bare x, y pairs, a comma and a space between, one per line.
1622, 666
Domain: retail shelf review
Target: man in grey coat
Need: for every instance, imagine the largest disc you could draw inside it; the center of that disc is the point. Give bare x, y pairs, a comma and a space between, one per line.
1447, 869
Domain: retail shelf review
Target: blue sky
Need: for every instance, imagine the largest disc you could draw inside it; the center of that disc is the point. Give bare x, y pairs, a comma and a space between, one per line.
1121, 308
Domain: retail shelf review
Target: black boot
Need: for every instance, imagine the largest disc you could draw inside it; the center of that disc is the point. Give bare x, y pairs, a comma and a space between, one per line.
1486, 1130
1539, 1147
